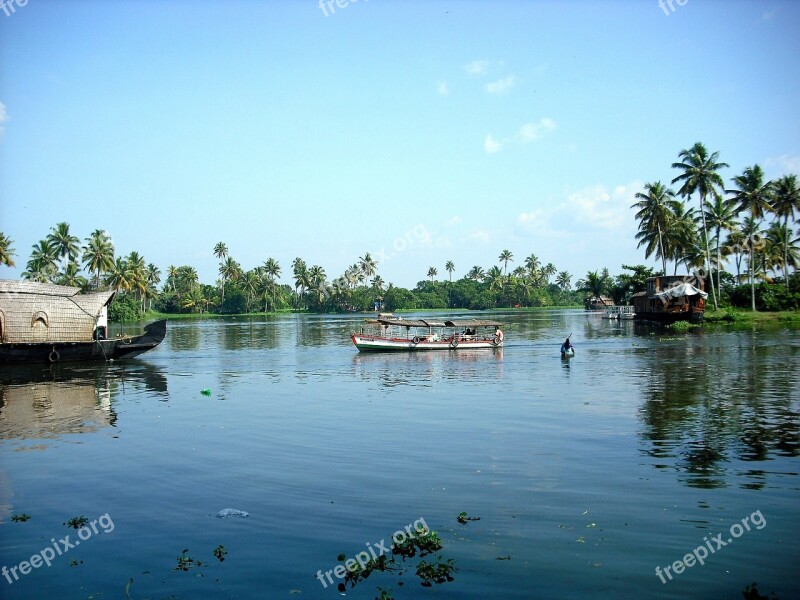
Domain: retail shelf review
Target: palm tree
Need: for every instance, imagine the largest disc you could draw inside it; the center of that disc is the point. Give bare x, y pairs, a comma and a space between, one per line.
229, 269
450, 267
119, 276
680, 239
505, 257
563, 280
301, 278
367, 266
316, 277
43, 263
66, 245
495, 278
785, 203
754, 196
221, 252
98, 254
250, 282
734, 245
595, 283
548, 271
781, 250
720, 214
378, 283
700, 175
273, 270
476, 273
532, 264
6, 251
657, 207
432, 272
153, 278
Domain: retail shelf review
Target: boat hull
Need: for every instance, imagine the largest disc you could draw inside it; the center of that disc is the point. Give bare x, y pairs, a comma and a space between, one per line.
114, 349
370, 343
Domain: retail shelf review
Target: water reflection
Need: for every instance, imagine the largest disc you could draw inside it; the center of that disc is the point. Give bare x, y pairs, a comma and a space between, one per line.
423, 369
705, 424
51, 401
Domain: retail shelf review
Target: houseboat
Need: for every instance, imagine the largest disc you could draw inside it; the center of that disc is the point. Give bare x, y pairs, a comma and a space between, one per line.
43, 322
668, 299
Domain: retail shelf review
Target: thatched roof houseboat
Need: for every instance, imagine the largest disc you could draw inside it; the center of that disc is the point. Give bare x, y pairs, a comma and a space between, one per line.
46, 322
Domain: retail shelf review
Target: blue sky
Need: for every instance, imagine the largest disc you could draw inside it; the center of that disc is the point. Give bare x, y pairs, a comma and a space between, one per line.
421, 132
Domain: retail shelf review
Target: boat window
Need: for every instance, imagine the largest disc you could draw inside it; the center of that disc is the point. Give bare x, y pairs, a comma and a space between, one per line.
40, 319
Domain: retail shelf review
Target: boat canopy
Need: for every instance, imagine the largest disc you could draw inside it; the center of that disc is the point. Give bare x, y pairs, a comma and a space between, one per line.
432, 323
680, 290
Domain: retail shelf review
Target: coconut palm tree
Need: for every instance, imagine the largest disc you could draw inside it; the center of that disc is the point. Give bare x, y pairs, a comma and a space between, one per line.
681, 239
450, 267
221, 252
505, 257
43, 263
532, 264
786, 203
720, 214
753, 195
316, 276
594, 283
119, 276
495, 278
656, 210
66, 245
378, 283
548, 271
229, 270
781, 248
153, 277
563, 280
250, 283
367, 266
432, 272
98, 254
273, 271
476, 273
735, 244
6, 251
301, 278
700, 175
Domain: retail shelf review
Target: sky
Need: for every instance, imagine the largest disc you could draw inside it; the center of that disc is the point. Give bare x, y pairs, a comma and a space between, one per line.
421, 132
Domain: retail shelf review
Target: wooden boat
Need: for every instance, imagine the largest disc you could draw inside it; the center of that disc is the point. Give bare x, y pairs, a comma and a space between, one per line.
668, 299
409, 335
42, 322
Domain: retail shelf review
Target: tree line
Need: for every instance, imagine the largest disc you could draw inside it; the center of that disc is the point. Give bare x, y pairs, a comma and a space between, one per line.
751, 222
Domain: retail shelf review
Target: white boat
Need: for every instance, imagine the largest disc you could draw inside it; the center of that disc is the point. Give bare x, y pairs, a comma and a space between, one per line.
409, 335
620, 312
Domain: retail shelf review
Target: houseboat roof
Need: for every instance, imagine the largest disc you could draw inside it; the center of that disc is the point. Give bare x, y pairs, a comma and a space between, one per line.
680, 290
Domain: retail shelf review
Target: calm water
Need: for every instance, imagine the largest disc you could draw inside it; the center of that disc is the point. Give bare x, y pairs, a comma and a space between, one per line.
586, 474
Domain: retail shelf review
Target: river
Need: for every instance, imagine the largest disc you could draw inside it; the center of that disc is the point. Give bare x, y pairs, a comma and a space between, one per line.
614, 474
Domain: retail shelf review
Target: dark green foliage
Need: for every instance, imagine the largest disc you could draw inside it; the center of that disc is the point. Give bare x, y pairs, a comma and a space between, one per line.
124, 307
769, 297
20, 518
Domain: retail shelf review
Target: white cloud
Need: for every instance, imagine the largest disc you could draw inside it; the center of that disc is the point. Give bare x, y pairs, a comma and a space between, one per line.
477, 68
528, 133
479, 235
598, 207
492, 145
3, 116
767, 16
453, 221
533, 131
501, 86
443, 89
787, 164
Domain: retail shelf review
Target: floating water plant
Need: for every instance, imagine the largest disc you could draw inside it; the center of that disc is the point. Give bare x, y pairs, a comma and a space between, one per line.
20, 518
77, 522
463, 518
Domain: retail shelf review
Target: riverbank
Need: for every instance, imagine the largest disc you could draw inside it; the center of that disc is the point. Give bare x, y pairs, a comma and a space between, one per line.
748, 317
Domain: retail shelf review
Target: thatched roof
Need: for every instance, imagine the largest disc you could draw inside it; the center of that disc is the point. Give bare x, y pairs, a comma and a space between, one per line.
33, 312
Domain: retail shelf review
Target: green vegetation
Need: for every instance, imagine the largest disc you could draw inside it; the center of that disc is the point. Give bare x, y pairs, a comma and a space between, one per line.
20, 518
77, 522
728, 221
671, 231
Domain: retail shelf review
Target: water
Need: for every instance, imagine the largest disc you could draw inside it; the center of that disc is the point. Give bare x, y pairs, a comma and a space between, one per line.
586, 474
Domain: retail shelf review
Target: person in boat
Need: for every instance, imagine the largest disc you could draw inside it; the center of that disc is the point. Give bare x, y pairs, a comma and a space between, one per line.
566, 346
